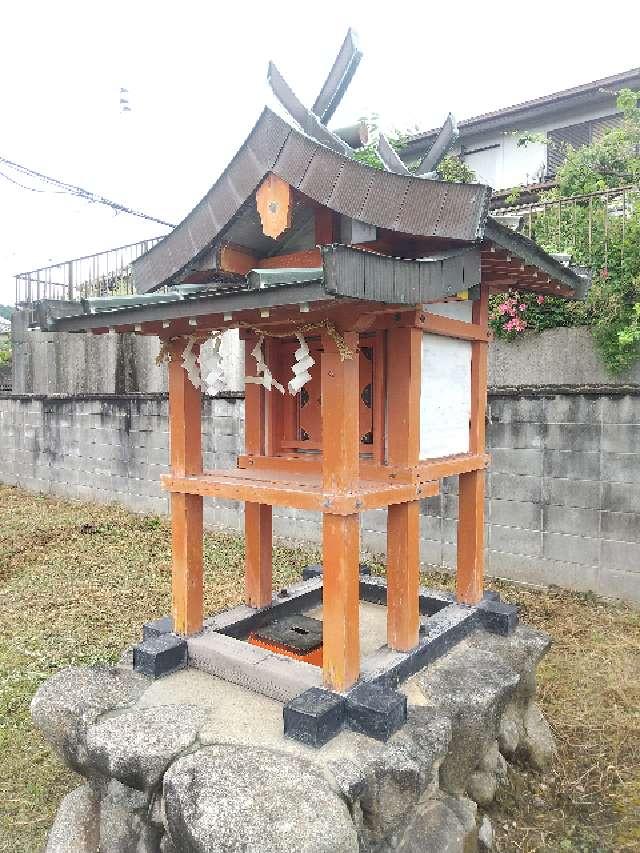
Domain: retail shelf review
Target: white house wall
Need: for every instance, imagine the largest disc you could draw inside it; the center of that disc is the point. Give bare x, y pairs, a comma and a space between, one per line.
501, 163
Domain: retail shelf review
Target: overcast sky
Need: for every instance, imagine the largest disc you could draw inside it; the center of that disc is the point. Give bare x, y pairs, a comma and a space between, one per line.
196, 72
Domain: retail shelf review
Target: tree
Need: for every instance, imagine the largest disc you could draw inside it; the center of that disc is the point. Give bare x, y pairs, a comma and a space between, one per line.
602, 233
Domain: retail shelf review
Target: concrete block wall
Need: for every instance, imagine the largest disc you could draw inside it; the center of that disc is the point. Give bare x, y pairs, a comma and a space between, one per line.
563, 490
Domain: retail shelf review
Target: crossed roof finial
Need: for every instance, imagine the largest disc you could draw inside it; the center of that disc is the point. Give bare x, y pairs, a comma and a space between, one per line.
314, 121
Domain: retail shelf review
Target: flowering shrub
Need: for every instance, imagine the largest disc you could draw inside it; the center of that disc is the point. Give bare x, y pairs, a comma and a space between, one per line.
512, 313
601, 233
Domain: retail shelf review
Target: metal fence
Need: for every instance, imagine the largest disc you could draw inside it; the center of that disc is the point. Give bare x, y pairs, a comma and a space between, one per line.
103, 274
600, 230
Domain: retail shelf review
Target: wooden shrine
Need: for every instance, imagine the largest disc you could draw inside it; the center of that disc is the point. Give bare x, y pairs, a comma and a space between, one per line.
374, 283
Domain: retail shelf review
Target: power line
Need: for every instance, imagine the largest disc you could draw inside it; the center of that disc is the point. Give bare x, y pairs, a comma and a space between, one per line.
73, 190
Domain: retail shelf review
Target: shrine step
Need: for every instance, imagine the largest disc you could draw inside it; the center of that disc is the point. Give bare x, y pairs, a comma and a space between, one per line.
273, 675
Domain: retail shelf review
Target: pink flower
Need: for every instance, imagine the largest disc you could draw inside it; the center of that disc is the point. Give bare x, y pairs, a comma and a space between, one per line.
604, 273
523, 307
503, 308
540, 300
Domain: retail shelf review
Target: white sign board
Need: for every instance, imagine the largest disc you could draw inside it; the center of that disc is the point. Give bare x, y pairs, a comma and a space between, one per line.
445, 396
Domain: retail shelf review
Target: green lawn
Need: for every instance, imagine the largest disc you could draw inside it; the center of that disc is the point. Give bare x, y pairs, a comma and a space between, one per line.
78, 580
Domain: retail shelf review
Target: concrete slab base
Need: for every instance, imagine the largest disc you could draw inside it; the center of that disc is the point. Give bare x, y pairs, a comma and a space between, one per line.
222, 650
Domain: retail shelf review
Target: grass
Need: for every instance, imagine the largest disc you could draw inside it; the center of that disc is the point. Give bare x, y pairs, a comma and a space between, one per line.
78, 580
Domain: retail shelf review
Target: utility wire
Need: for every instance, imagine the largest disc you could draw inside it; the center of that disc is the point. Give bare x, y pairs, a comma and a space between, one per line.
71, 189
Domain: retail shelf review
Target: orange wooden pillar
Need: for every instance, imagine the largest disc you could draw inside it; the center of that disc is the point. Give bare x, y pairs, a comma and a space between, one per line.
340, 533
404, 348
185, 438
470, 552
257, 517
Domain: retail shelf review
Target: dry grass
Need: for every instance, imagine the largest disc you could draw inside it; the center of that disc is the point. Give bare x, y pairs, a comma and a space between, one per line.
78, 580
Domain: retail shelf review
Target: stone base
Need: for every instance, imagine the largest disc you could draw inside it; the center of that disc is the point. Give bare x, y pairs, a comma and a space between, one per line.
222, 650
193, 763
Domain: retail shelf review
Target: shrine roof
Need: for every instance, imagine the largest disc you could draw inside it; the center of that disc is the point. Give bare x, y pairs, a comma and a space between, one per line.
347, 273
406, 204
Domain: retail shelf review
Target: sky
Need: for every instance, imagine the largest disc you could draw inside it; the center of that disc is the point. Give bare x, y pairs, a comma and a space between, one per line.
196, 77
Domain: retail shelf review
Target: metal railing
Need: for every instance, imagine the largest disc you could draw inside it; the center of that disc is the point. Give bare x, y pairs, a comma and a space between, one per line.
596, 229
103, 274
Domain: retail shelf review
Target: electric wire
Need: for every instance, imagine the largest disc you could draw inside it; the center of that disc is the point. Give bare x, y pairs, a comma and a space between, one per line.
71, 189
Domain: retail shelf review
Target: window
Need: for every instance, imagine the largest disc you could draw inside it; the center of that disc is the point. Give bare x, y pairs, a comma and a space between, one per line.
576, 135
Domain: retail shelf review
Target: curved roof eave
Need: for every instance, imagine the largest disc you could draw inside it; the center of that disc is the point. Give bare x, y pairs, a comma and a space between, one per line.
403, 203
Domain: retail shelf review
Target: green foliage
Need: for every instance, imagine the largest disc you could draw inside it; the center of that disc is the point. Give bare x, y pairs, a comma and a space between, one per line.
5, 351
6, 311
601, 233
455, 170
451, 168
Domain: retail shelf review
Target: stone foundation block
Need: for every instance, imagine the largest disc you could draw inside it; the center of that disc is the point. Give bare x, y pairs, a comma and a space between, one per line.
151, 630
314, 717
160, 655
376, 711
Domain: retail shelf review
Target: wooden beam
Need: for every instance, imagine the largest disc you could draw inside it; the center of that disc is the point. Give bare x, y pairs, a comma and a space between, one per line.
236, 259
450, 328
404, 346
308, 258
258, 570
340, 534
470, 547
274, 201
278, 488
324, 226
185, 438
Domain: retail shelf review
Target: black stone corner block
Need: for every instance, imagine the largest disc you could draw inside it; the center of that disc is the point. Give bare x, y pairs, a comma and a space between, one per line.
376, 711
498, 617
314, 717
161, 655
491, 595
157, 628
315, 571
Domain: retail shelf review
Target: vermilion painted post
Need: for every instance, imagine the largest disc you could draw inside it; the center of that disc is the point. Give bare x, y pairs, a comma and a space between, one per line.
340, 534
470, 548
185, 436
404, 348
257, 517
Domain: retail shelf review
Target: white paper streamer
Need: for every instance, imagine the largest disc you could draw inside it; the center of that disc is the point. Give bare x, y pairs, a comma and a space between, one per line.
211, 366
190, 364
301, 366
264, 377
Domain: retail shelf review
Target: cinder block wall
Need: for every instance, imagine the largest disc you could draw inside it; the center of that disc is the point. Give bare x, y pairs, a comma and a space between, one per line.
563, 491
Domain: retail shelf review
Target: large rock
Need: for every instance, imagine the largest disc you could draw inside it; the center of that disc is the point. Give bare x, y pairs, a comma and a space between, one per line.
472, 687
137, 746
232, 798
383, 782
538, 746
433, 828
124, 827
522, 651
75, 828
71, 701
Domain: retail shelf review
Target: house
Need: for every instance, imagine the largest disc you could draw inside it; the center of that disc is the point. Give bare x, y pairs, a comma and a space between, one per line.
488, 143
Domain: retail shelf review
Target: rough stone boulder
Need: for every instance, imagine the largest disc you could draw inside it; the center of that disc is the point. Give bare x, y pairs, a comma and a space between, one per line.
191, 764
71, 701
137, 746
225, 798
383, 782
472, 686
76, 827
